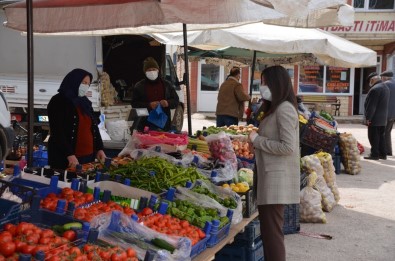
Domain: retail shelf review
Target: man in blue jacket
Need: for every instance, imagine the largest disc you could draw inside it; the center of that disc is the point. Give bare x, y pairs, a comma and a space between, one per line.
376, 112
387, 78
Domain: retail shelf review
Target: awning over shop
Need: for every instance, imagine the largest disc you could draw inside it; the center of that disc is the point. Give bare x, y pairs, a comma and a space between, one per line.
327, 48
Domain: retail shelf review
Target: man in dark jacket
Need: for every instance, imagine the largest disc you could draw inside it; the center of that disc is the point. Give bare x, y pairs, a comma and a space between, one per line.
387, 78
376, 111
152, 91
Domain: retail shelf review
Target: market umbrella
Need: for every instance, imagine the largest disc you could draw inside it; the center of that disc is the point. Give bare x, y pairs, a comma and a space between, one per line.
131, 16
105, 16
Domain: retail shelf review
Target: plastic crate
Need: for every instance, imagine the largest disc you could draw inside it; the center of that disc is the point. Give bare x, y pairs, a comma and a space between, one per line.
317, 138
200, 246
241, 252
251, 232
40, 189
249, 203
291, 219
216, 235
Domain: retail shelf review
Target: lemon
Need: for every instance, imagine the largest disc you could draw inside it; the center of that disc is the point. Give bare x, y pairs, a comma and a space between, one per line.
236, 189
226, 185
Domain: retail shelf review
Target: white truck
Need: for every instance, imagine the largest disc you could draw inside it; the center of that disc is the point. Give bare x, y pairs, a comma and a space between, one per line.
54, 56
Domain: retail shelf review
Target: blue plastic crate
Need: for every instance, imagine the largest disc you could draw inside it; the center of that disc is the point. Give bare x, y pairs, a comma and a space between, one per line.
291, 219
217, 236
241, 252
40, 189
8, 210
251, 232
200, 246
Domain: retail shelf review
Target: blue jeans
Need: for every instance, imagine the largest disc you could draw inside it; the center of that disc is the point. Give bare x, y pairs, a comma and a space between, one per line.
225, 120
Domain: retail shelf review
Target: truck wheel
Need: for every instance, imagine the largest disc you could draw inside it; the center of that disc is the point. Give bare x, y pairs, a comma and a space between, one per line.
178, 118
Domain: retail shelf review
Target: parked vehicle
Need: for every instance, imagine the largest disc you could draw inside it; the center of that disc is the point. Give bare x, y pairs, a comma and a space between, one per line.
6, 131
54, 56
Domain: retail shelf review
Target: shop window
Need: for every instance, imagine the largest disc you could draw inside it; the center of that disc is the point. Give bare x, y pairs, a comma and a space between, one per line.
337, 80
210, 75
324, 80
311, 79
374, 4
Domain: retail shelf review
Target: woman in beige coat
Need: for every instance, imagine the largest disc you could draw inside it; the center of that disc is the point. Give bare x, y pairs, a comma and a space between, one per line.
277, 158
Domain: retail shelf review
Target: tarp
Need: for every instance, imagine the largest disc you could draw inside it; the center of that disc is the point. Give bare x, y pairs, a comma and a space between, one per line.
110, 17
329, 49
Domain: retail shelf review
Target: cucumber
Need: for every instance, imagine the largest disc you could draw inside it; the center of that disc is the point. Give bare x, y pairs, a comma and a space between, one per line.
71, 225
163, 244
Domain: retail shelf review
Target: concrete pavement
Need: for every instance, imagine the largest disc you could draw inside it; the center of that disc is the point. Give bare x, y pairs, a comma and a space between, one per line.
362, 225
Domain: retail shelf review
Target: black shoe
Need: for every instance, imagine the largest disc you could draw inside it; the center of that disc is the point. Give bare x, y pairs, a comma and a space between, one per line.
389, 154
383, 157
371, 158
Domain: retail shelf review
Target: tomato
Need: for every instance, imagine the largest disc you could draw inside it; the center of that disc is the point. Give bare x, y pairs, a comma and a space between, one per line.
28, 232
33, 238
21, 227
19, 244
7, 226
75, 251
54, 258
146, 211
81, 258
130, 252
47, 233
43, 248
106, 255
88, 197
88, 248
118, 256
5, 236
70, 235
2, 258
44, 240
67, 191
7, 248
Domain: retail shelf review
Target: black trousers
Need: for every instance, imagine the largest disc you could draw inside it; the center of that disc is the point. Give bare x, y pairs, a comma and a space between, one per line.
376, 136
388, 140
271, 218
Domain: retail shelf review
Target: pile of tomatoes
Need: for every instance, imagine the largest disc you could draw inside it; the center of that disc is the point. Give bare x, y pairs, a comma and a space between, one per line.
86, 214
167, 224
77, 197
27, 238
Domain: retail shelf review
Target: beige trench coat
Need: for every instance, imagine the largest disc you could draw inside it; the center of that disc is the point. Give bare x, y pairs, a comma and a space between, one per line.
278, 158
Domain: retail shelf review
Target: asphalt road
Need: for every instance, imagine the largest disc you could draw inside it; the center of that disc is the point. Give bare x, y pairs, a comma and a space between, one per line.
362, 225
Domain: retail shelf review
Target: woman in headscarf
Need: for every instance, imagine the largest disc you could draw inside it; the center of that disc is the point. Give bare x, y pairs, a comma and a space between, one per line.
74, 135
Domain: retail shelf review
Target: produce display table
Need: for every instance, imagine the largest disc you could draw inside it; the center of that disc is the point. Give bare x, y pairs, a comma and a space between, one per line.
209, 253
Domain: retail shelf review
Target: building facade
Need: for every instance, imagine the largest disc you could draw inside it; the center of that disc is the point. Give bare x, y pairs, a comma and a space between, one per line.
374, 28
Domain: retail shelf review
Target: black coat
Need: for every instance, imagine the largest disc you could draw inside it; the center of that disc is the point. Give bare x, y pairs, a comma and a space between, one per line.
376, 104
140, 100
391, 104
63, 122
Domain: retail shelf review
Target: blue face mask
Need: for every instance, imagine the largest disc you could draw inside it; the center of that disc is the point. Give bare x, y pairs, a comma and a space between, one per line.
82, 89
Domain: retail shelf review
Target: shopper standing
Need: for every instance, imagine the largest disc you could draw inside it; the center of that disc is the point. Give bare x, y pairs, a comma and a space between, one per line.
389, 81
277, 158
74, 134
376, 112
231, 98
152, 91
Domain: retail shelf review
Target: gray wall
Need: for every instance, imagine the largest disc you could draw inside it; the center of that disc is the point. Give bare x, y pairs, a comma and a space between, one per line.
53, 55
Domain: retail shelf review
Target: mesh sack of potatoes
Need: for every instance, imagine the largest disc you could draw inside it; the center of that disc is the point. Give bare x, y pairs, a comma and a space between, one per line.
310, 202
350, 153
329, 173
312, 163
108, 92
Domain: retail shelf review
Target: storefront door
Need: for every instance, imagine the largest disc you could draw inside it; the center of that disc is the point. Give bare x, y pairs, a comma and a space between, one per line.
365, 85
209, 80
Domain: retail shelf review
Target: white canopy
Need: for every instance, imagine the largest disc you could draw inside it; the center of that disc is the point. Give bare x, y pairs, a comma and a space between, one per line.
328, 48
110, 17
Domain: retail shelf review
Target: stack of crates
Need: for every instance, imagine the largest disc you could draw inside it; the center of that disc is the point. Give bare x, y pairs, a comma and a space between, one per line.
247, 246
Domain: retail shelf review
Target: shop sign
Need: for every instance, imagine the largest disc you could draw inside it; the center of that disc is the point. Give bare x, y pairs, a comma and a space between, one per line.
383, 23
311, 79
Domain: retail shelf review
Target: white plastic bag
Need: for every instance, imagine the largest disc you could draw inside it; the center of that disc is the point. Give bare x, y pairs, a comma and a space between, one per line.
118, 129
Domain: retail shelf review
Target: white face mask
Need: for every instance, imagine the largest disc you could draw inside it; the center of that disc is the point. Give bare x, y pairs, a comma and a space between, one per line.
265, 92
152, 75
82, 89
